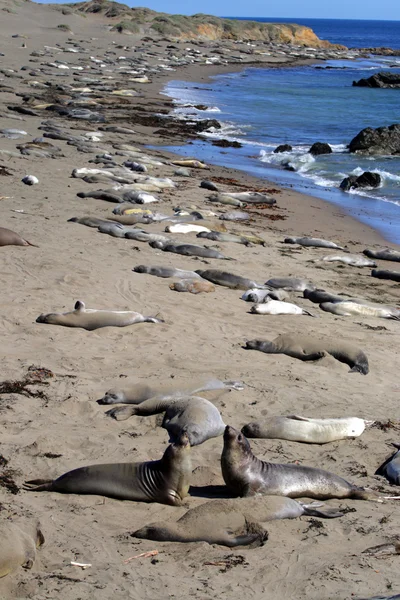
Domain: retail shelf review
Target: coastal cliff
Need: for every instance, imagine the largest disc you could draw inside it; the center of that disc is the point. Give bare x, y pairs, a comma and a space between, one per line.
143, 21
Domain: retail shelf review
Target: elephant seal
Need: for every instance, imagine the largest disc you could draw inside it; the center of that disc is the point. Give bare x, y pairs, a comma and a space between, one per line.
217, 236
291, 284
186, 228
307, 348
381, 274
391, 467
276, 307
138, 392
90, 221
10, 238
235, 215
165, 481
243, 198
231, 522
208, 185
246, 475
235, 282
354, 260
188, 250
347, 308
18, 546
386, 254
166, 272
194, 286
193, 415
303, 429
258, 296
318, 296
187, 162
312, 242
91, 318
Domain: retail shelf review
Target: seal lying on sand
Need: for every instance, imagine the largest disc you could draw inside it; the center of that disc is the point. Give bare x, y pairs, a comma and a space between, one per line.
188, 250
312, 242
18, 546
91, 318
353, 260
306, 348
291, 284
246, 475
381, 274
165, 481
347, 308
232, 522
387, 254
276, 307
166, 272
195, 286
391, 467
90, 221
193, 415
137, 393
259, 296
235, 282
302, 429
10, 238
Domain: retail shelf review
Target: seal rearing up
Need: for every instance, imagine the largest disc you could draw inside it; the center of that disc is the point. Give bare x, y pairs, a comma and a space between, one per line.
165, 481
306, 348
246, 475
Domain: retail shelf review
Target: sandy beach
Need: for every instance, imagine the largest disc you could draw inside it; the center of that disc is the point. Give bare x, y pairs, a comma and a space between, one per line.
55, 425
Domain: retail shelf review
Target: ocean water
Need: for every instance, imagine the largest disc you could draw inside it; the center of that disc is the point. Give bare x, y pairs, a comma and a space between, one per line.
262, 108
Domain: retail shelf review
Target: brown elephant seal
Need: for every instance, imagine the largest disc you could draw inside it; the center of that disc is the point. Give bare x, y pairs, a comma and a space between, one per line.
307, 348
303, 429
386, 254
382, 274
291, 284
318, 296
138, 392
312, 242
246, 475
18, 546
230, 522
194, 286
165, 481
90, 221
91, 318
193, 415
391, 467
10, 238
235, 282
166, 272
188, 250
257, 296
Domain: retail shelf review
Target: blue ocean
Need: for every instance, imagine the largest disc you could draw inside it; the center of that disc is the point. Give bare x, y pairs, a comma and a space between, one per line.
262, 108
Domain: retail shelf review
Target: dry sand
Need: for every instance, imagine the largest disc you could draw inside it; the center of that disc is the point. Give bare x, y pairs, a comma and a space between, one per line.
47, 436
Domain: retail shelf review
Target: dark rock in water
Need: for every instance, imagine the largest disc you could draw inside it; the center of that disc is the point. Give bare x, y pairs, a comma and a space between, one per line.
320, 148
206, 124
208, 185
366, 179
226, 144
283, 148
382, 79
383, 140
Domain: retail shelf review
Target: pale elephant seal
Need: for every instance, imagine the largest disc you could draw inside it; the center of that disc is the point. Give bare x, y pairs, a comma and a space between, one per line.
391, 467
258, 296
354, 260
242, 198
235, 282
312, 242
386, 254
10, 238
186, 228
188, 250
166, 272
303, 429
382, 274
291, 284
217, 236
165, 481
187, 162
348, 308
138, 392
91, 318
231, 522
18, 546
246, 475
235, 215
193, 415
276, 307
194, 286
307, 348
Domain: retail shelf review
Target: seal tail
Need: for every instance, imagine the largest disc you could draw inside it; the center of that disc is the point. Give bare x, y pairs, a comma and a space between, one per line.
326, 513
360, 494
29, 244
156, 319
38, 485
308, 313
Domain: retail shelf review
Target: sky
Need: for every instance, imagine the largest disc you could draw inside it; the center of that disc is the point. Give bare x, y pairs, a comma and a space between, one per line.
306, 9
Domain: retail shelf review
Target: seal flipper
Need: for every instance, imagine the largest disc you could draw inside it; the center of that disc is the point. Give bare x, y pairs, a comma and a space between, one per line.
79, 305
326, 513
38, 485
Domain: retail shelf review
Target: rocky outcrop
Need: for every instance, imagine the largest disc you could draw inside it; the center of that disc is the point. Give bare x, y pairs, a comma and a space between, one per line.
383, 141
199, 26
380, 80
320, 148
365, 180
283, 148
